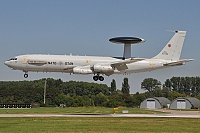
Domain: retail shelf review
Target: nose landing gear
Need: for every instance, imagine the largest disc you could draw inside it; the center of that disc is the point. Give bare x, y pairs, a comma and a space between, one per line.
26, 75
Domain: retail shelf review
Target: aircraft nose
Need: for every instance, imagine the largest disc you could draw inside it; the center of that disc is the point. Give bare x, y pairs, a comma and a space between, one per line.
7, 63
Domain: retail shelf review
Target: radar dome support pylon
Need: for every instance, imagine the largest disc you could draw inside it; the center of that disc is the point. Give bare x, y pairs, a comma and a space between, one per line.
127, 51
127, 41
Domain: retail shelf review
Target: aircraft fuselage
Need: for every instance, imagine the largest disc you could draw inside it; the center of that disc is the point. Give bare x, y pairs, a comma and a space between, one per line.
66, 63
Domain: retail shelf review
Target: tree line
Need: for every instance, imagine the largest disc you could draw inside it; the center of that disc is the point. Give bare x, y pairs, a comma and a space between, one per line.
183, 85
74, 94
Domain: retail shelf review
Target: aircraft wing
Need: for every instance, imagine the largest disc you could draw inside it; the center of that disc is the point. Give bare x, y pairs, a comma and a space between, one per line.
122, 65
177, 63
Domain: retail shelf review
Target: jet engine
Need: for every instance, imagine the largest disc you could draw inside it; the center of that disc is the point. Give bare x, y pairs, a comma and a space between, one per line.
103, 69
82, 71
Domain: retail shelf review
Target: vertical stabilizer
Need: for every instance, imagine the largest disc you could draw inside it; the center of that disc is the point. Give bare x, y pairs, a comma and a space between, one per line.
172, 50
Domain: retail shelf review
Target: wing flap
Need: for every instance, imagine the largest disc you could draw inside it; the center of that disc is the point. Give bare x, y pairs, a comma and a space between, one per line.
122, 65
178, 63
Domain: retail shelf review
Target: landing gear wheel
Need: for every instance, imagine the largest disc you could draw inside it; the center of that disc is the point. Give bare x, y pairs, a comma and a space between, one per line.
95, 78
101, 78
25, 75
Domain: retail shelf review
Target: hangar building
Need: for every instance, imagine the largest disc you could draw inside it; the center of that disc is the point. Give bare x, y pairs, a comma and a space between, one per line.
156, 102
185, 103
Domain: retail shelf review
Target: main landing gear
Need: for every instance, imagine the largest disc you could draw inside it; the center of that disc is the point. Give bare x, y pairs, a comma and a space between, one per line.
97, 77
26, 75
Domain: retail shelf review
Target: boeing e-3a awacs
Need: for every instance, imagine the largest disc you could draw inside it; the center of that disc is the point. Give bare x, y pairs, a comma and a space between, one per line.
168, 57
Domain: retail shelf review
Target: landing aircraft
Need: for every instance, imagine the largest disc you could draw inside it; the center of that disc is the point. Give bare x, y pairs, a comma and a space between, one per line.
168, 57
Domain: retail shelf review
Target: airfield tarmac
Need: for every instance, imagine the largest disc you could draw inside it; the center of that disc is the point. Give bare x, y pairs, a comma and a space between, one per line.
100, 115
171, 114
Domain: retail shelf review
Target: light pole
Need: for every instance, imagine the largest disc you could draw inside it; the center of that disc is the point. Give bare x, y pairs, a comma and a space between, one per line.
45, 88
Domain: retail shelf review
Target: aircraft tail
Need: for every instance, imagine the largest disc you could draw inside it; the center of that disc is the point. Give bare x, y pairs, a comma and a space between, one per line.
172, 50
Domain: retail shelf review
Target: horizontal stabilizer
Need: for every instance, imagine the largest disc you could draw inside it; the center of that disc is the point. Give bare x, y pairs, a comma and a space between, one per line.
177, 63
121, 65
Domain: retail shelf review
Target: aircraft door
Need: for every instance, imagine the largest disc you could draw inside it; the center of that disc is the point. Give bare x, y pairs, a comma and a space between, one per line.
24, 61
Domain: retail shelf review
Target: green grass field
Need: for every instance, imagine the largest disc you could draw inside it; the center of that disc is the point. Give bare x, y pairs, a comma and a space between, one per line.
74, 110
91, 124
99, 125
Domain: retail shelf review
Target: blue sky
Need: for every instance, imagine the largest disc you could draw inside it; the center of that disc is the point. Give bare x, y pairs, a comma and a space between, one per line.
84, 28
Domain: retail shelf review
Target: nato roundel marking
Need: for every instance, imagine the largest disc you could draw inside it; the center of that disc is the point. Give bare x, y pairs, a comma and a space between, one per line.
125, 40
169, 45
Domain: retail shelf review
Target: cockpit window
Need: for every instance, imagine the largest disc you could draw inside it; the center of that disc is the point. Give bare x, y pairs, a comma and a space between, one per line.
12, 59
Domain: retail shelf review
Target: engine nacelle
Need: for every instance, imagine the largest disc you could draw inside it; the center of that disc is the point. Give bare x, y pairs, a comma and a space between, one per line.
103, 69
82, 71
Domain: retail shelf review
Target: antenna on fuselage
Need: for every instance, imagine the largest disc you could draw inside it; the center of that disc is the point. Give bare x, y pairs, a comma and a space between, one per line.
127, 41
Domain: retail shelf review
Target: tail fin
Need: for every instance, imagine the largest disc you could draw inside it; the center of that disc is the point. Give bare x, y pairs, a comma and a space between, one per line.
172, 50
